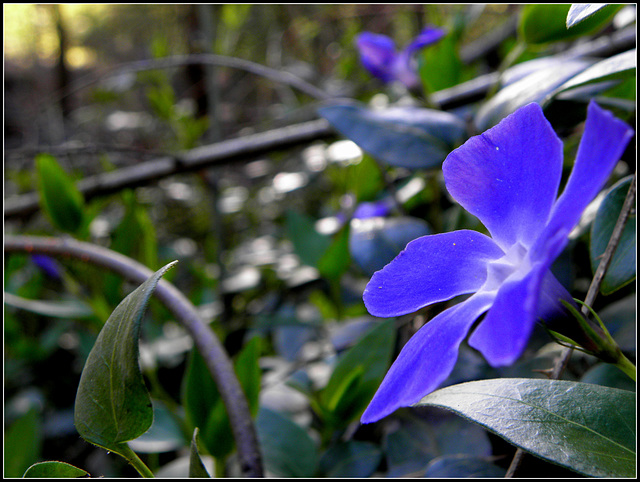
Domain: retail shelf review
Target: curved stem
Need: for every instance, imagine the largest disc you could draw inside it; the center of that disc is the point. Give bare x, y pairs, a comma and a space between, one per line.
135, 461
205, 340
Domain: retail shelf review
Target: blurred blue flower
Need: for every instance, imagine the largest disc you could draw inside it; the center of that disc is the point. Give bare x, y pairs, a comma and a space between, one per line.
48, 265
379, 56
508, 177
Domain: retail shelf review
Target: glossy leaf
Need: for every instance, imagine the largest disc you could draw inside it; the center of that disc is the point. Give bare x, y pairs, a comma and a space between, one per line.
545, 22
535, 87
617, 68
358, 374
54, 469
59, 197
587, 428
579, 12
622, 269
112, 404
411, 137
351, 459
287, 449
196, 467
375, 241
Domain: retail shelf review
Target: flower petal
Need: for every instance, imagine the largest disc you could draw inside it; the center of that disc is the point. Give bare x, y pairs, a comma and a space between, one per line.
508, 177
378, 54
426, 360
427, 36
430, 269
603, 142
503, 334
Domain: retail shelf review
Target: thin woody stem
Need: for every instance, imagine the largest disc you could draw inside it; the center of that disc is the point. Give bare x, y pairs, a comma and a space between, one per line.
205, 340
614, 240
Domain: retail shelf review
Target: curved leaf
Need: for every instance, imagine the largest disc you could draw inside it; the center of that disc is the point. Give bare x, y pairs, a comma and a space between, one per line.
112, 404
59, 197
587, 428
581, 11
196, 466
535, 87
618, 67
622, 269
352, 458
544, 22
53, 469
410, 137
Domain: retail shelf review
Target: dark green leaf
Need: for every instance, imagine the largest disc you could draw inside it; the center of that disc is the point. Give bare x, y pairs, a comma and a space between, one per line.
204, 406
535, 87
581, 11
287, 450
54, 469
622, 269
336, 259
112, 404
308, 243
358, 374
545, 22
59, 197
408, 137
196, 467
22, 443
587, 428
350, 459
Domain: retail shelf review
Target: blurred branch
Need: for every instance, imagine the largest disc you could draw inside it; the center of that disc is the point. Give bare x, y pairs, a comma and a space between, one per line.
206, 59
242, 148
204, 338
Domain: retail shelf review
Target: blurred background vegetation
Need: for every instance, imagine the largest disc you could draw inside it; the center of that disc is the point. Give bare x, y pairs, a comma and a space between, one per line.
250, 235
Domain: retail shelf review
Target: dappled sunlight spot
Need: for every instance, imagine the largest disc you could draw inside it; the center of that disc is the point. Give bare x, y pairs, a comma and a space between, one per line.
121, 120
344, 152
247, 277
329, 225
314, 157
233, 199
289, 181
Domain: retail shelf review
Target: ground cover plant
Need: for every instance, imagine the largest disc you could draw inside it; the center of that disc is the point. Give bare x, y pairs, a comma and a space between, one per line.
322, 241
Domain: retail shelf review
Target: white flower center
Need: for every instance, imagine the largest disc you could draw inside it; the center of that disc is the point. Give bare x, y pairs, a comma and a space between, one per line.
515, 263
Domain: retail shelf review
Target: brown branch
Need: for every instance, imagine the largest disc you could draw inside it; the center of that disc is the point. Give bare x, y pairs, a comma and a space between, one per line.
205, 340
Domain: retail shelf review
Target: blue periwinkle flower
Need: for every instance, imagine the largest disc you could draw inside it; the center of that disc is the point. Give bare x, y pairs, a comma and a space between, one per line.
379, 56
508, 177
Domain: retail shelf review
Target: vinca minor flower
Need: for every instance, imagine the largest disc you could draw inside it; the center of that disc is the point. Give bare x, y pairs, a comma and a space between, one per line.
379, 56
508, 177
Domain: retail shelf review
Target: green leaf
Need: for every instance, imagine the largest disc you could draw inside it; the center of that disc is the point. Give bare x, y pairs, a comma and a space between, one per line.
54, 469
581, 11
618, 67
59, 197
351, 459
165, 434
358, 374
622, 269
439, 65
587, 428
462, 465
22, 443
287, 449
308, 243
196, 467
410, 137
112, 404
336, 260
204, 406
544, 22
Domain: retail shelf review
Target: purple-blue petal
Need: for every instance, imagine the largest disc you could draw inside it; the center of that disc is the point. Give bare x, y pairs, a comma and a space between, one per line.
426, 360
427, 36
603, 142
377, 54
508, 176
431, 269
503, 334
